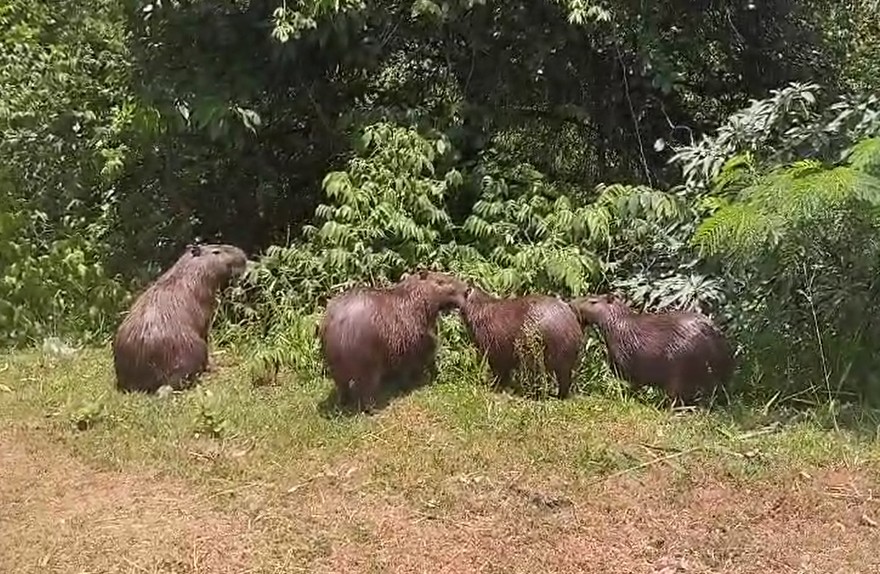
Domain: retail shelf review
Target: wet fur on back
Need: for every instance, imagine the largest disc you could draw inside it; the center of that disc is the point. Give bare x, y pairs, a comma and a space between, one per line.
496, 325
370, 334
680, 352
163, 340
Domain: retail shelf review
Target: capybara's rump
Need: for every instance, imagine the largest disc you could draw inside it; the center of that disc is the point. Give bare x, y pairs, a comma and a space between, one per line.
166, 359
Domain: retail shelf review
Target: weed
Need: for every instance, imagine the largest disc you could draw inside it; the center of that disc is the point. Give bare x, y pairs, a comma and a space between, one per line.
210, 417
87, 414
532, 378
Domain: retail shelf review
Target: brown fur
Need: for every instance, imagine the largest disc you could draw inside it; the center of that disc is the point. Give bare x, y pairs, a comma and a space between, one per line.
495, 325
370, 334
164, 338
680, 352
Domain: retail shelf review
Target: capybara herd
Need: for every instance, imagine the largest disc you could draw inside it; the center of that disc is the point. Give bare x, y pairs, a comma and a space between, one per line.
370, 336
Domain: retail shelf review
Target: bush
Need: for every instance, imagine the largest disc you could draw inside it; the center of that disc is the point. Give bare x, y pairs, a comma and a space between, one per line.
53, 286
802, 240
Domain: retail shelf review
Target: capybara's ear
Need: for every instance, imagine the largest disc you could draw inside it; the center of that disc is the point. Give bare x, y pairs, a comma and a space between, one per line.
423, 274
195, 249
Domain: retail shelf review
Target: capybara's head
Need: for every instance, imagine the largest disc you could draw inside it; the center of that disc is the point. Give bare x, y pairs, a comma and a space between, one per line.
217, 262
447, 290
476, 295
595, 309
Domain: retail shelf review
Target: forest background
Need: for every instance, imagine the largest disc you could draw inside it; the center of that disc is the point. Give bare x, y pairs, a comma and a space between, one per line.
718, 155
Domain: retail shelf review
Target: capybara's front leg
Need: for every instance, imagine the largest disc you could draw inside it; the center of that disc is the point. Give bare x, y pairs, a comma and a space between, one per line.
433, 370
187, 372
679, 391
210, 364
427, 370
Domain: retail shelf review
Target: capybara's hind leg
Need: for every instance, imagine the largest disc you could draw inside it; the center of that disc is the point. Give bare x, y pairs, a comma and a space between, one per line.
187, 376
211, 364
187, 372
563, 380
343, 393
367, 388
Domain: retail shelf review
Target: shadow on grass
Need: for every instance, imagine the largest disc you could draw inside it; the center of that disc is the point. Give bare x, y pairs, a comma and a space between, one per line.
748, 404
757, 410
391, 389
856, 418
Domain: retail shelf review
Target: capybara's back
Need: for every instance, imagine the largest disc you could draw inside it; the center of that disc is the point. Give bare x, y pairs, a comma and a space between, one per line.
370, 334
163, 340
499, 326
681, 352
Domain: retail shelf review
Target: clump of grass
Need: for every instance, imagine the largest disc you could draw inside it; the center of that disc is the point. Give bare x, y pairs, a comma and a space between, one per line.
292, 345
87, 414
210, 417
532, 378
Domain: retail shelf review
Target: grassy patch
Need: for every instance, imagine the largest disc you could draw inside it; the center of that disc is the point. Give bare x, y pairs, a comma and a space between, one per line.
453, 472
228, 429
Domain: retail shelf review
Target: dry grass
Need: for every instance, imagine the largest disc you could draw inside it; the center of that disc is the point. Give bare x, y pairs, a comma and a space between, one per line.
59, 515
451, 478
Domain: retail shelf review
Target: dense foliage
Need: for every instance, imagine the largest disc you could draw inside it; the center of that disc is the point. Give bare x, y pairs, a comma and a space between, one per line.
676, 151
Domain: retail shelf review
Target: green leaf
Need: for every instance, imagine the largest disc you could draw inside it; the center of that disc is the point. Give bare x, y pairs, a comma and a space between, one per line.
335, 183
425, 8
453, 178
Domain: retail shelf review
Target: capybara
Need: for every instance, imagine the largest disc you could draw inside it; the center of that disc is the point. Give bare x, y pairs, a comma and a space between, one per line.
496, 326
164, 338
369, 335
681, 352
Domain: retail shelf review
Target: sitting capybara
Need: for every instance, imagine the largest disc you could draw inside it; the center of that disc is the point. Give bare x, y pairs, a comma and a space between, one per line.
681, 352
497, 325
164, 338
369, 335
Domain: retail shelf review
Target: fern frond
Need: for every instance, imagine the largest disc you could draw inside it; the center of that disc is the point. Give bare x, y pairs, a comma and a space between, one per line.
806, 186
784, 202
738, 231
736, 173
865, 156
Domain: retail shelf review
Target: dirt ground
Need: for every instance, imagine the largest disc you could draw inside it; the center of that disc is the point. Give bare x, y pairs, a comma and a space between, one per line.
58, 514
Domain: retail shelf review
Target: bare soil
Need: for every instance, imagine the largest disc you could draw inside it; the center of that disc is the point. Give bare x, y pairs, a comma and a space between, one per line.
58, 514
